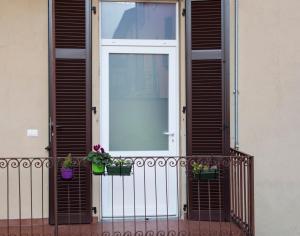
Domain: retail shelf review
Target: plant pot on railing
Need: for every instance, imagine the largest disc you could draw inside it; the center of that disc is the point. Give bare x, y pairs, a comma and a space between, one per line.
99, 159
210, 174
204, 172
66, 173
98, 169
66, 170
119, 167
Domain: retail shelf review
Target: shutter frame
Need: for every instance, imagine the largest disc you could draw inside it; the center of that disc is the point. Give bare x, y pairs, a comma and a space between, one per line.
59, 79
200, 54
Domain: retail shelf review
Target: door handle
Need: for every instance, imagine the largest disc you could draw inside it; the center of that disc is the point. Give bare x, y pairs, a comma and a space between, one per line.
169, 133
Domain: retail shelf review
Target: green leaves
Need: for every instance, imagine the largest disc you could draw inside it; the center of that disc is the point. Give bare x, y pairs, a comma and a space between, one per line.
197, 167
68, 163
120, 162
99, 158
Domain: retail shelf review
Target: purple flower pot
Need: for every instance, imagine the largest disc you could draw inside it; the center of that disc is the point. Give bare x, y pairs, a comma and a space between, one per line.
66, 173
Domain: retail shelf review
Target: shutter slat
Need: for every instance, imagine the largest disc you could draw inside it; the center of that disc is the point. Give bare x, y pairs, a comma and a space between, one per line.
70, 24
212, 103
206, 24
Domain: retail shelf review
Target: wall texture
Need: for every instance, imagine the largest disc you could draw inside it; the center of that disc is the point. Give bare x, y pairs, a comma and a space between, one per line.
23, 76
270, 109
23, 99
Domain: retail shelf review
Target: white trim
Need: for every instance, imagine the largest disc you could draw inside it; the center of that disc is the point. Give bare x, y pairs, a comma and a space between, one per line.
138, 43
170, 47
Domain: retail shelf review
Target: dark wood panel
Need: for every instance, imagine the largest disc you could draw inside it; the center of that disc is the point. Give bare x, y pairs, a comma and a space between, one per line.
207, 103
70, 108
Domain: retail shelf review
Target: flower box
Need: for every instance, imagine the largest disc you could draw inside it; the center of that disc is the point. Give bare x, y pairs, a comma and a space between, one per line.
209, 174
119, 170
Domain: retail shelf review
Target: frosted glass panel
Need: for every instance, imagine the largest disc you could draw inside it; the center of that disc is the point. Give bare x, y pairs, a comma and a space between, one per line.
138, 102
130, 20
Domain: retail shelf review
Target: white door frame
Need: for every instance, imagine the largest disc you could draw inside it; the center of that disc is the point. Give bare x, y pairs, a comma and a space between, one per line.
171, 48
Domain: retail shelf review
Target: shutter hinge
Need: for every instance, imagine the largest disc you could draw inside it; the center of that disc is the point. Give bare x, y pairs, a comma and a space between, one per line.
184, 109
183, 12
94, 210
184, 207
94, 109
48, 148
94, 10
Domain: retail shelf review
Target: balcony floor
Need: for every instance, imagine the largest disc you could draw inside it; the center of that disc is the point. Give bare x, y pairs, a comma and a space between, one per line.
158, 227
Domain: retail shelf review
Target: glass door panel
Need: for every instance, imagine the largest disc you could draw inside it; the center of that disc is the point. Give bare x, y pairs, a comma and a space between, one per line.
138, 102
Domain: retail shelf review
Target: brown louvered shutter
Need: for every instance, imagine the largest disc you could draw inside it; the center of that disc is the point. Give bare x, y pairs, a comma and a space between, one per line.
207, 101
70, 95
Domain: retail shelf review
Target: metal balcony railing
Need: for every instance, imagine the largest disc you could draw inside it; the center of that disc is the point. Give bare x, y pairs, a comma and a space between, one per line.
198, 195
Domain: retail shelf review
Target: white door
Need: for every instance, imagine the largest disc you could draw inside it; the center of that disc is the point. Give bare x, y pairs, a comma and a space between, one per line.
139, 116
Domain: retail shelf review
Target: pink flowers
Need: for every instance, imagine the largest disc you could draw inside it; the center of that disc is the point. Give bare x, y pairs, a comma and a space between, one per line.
98, 147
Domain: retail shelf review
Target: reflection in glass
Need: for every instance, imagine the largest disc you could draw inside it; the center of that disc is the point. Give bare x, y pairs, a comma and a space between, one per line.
138, 102
131, 20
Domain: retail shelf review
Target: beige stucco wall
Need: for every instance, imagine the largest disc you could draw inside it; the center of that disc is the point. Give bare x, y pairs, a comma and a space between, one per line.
23, 98
270, 109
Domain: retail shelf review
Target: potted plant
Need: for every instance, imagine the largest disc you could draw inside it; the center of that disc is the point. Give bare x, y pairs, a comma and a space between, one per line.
66, 170
205, 172
119, 167
99, 159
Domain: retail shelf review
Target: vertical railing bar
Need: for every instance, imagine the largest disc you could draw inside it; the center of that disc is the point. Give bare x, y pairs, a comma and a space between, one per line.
134, 203
209, 207
231, 160
235, 189
145, 197
167, 196
31, 211
101, 208
219, 192
241, 189
55, 165
112, 204
252, 196
187, 190
199, 206
245, 195
249, 195
20, 202
7, 195
43, 227
123, 192
178, 196
79, 195
69, 211
231, 184
155, 185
